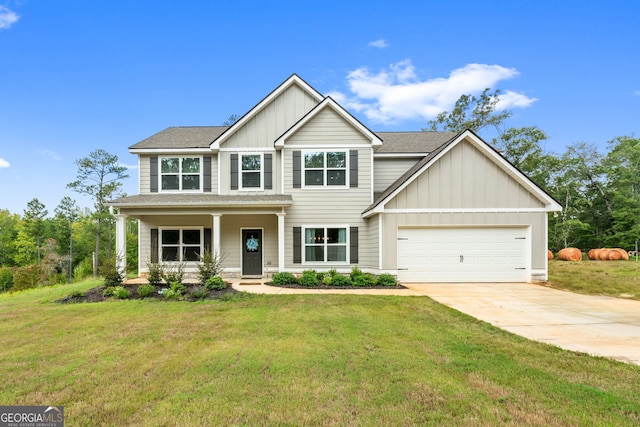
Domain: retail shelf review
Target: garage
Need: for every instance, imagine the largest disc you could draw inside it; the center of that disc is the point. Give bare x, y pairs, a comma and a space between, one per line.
464, 254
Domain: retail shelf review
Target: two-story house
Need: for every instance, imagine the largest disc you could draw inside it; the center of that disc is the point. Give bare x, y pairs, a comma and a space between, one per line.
299, 183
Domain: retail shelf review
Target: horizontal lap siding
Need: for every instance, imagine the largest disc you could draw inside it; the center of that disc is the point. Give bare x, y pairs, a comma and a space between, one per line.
388, 170
145, 172
326, 206
230, 240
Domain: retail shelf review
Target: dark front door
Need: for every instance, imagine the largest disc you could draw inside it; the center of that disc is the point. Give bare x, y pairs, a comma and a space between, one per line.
252, 252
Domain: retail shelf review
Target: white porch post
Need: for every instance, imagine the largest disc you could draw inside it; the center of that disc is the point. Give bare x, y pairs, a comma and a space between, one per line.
216, 234
121, 243
281, 241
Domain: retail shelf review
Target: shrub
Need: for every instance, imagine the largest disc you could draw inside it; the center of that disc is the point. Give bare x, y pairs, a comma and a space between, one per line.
6, 279
386, 279
154, 276
215, 283
84, 269
355, 272
283, 278
171, 294
174, 273
199, 292
364, 280
146, 290
108, 291
340, 280
121, 292
327, 278
308, 278
113, 278
210, 265
27, 277
178, 287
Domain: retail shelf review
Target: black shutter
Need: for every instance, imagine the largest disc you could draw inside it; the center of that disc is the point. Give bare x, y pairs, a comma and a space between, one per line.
153, 174
154, 244
353, 243
268, 171
297, 245
206, 174
297, 169
353, 168
234, 171
207, 240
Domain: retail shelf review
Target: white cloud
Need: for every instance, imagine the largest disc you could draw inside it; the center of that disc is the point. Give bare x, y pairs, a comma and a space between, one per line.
129, 167
637, 92
4, 163
397, 93
380, 44
7, 17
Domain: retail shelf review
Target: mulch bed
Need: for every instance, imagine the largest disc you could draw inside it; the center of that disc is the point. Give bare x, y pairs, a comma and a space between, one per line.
95, 294
322, 286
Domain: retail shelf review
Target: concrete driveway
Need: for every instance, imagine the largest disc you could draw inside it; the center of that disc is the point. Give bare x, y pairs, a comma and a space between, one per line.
601, 326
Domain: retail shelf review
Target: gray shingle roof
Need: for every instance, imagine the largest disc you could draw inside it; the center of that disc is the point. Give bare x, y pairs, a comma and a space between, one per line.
412, 142
202, 136
200, 200
182, 137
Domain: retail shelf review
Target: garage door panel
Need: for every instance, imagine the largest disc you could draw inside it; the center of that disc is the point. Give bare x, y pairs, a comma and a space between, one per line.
462, 254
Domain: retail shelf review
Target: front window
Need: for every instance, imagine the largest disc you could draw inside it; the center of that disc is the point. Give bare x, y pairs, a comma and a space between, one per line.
181, 245
180, 173
325, 244
251, 170
324, 168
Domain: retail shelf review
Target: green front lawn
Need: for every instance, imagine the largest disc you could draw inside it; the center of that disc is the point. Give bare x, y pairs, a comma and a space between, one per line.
295, 360
620, 279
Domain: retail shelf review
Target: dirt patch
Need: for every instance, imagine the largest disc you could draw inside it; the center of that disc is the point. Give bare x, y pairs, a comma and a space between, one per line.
95, 294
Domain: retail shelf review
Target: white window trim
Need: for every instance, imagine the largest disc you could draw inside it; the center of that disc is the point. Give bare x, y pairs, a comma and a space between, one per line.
200, 174
325, 186
240, 171
347, 244
180, 244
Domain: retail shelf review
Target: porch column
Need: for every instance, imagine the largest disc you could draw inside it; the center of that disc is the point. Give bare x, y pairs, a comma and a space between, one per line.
216, 234
281, 241
121, 243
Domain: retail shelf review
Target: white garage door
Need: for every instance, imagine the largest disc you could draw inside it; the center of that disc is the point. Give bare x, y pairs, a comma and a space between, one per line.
463, 254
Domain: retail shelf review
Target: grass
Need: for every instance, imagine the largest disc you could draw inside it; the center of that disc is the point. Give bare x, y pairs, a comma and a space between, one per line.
611, 278
295, 360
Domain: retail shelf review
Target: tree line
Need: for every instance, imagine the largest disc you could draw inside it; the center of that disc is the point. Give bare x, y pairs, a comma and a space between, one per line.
39, 249
599, 192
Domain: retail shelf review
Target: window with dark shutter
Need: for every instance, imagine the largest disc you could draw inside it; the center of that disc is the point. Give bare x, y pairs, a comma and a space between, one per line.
297, 245
353, 245
268, 171
153, 174
297, 169
206, 174
234, 171
353, 168
154, 245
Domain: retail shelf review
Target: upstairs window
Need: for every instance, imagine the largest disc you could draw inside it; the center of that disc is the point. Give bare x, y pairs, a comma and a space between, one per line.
180, 173
325, 168
251, 170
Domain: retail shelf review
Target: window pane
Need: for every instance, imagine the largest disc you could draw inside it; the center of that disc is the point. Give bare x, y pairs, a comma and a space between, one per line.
314, 235
336, 253
337, 160
170, 253
313, 177
170, 165
314, 253
170, 237
190, 182
191, 165
191, 237
336, 177
170, 182
336, 235
250, 179
251, 162
191, 253
314, 160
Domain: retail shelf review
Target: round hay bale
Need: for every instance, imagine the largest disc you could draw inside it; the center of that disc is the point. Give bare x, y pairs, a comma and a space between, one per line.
603, 254
549, 254
620, 254
593, 253
570, 254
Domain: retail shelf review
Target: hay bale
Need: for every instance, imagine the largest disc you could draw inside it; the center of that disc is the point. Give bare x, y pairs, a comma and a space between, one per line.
593, 253
620, 254
608, 254
570, 254
549, 254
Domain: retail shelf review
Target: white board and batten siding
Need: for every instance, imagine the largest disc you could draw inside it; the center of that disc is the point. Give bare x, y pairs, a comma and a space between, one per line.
464, 254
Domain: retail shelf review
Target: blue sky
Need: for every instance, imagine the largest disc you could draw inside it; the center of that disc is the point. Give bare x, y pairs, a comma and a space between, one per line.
80, 75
